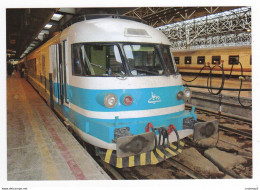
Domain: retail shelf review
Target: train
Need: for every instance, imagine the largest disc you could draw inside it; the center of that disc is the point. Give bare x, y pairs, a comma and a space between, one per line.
113, 80
190, 61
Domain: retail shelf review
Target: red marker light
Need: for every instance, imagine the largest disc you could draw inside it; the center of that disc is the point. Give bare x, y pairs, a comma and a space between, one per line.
128, 100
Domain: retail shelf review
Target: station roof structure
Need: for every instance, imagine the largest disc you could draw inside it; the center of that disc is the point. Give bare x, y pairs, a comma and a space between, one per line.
27, 28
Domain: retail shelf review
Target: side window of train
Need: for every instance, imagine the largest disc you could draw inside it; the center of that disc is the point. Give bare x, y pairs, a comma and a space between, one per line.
216, 59
187, 60
201, 60
177, 60
96, 60
233, 60
32, 66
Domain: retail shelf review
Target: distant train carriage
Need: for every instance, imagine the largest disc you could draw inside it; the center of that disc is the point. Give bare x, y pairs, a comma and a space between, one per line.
191, 61
115, 83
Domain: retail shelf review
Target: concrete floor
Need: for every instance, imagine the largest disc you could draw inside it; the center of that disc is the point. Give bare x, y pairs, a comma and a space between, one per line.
39, 147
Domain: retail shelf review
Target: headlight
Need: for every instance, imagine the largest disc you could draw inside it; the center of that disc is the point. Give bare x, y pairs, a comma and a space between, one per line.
180, 95
187, 93
110, 100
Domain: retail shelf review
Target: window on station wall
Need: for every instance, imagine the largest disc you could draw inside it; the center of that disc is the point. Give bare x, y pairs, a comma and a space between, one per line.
201, 60
177, 60
233, 60
187, 60
250, 59
216, 60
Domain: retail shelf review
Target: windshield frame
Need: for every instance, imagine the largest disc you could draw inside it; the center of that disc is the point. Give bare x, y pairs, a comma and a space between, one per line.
125, 62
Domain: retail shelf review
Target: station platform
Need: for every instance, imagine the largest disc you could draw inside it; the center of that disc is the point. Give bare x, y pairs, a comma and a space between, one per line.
39, 147
216, 82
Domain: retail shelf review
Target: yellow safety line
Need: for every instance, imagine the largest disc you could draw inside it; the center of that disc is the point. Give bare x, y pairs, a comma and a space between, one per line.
174, 147
153, 158
170, 151
131, 161
160, 153
119, 163
108, 155
47, 160
142, 159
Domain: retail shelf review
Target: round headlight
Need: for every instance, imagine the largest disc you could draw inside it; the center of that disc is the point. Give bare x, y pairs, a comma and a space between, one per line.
110, 100
180, 95
187, 93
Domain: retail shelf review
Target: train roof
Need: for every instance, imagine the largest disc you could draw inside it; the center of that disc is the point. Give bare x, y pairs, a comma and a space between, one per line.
113, 30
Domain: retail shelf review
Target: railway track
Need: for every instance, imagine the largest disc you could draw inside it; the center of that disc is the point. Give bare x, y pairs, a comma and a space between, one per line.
234, 121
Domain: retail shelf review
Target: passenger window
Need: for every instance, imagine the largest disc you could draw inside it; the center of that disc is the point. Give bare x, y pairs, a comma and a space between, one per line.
201, 60
96, 60
188, 60
233, 60
216, 60
177, 60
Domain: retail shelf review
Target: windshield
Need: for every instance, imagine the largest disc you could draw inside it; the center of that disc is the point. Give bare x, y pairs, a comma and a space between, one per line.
99, 59
143, 59
96, 60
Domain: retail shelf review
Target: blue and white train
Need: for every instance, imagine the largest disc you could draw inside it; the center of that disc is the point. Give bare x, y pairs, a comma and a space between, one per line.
115, 83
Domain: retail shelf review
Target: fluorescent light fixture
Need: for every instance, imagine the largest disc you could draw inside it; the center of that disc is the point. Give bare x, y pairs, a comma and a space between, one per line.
48, 26
56, 17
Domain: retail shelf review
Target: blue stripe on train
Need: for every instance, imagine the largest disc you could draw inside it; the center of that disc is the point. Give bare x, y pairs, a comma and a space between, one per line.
104, 128
144, 99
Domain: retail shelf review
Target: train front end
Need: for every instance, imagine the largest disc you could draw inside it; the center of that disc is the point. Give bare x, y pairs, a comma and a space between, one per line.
131, 95
149, 113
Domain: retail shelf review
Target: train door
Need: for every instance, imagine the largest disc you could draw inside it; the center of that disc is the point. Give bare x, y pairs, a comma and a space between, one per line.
59, 60
64, 72
55, 70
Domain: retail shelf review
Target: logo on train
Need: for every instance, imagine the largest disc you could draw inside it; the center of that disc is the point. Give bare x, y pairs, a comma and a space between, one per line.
154, 99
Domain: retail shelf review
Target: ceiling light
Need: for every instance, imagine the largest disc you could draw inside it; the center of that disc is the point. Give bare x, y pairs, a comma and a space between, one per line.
47, 26
56, 17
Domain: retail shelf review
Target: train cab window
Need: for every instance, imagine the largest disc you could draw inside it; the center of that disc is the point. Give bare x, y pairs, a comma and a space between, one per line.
200, 60
233, 60
96, 60
168, 59
216, 60
177, 60
187, 60
143, 60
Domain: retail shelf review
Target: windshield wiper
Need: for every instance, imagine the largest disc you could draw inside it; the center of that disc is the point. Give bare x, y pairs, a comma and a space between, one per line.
109, 71
147, 71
